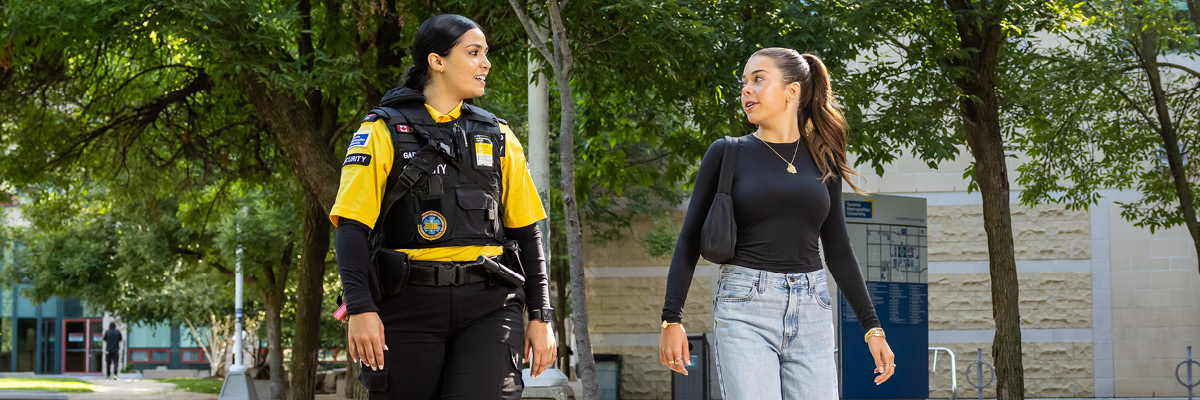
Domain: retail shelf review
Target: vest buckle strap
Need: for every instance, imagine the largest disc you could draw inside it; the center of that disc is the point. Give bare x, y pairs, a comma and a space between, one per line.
409, 175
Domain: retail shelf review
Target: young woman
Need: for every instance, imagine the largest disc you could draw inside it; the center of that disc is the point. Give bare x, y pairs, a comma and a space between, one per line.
772, 313
429, 186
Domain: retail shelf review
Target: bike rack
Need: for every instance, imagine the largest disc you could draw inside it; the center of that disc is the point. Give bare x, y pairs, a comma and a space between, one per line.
953, 370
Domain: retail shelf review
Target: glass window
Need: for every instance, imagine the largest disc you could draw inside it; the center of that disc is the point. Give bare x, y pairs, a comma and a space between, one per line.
186, 339
50, 308
25, 308
149, 336
72, 308
192, 356
139, 356
159, 356
26, 344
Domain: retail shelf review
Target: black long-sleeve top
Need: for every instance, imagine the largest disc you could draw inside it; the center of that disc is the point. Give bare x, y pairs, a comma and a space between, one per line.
780, 217
354, 252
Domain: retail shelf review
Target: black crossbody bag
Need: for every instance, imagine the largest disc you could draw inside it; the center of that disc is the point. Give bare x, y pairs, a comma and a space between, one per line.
718, 236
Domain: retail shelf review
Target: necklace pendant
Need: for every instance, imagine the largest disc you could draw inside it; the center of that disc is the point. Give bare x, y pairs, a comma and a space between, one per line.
791, 168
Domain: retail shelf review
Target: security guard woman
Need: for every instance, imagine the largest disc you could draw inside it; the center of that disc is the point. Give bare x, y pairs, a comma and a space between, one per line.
428, 186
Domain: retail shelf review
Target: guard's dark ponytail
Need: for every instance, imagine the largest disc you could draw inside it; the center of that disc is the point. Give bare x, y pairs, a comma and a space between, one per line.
415, 77
818, 114
436, 35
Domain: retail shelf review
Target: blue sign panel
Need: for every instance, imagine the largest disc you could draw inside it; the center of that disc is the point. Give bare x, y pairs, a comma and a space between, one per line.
859, 209
902, 309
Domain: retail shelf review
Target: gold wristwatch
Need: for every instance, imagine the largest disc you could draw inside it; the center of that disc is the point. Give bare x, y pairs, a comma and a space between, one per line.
665, 324
874, 332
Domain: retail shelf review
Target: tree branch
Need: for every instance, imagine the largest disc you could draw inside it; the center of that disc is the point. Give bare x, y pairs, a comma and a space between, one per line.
538, 41
1129, 100
565, 60
140, 117
1190, 71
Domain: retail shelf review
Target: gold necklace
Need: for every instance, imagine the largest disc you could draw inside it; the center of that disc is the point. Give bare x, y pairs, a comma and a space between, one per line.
790, 168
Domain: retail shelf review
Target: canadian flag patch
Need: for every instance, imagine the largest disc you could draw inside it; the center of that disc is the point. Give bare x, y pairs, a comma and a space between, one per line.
403, 128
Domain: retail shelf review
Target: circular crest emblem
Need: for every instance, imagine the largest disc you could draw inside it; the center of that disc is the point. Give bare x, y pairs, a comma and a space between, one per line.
433, 225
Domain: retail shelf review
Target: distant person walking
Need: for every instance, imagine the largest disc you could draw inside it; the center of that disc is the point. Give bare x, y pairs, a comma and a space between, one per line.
112, 346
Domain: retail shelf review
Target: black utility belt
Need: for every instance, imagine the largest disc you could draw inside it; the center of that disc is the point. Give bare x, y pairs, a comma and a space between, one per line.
431, 273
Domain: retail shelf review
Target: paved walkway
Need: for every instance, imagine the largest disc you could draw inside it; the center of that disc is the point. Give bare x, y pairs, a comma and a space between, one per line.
136, 389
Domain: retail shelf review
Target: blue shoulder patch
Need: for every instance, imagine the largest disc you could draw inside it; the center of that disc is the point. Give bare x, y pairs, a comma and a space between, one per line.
359, 139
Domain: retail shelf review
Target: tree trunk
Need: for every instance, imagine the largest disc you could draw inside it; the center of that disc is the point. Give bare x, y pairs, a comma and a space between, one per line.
981, 122
1148, 53
274, 306
220, 342
991, 173
295, 125
579, 316
979, 29
562, 62
210, 350
308, 303
562, 278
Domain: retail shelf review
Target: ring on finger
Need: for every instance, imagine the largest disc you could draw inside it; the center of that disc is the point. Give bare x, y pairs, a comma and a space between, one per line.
670, 362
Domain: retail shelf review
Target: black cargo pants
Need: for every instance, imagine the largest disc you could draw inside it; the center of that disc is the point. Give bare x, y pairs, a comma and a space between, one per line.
451, 342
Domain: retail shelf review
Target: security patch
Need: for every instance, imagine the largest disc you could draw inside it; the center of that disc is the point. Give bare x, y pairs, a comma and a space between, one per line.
432, 226
357, 159
370, 117
359, 139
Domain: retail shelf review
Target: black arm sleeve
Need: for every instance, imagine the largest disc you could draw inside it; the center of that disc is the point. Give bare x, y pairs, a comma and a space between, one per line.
687, 247
533, 260
843, 265
353, 256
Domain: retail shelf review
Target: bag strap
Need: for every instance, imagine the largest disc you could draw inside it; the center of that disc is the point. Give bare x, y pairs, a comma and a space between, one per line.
728, 161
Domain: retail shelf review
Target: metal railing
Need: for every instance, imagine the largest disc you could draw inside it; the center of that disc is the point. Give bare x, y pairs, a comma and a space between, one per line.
953, 370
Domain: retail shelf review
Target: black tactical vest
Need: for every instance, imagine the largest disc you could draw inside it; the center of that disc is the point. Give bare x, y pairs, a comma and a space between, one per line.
445, 207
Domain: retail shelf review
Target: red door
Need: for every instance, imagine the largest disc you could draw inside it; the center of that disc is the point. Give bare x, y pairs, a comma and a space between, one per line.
83, 345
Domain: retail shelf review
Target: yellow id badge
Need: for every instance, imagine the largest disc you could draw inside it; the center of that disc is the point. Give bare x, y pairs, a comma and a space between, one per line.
483, 152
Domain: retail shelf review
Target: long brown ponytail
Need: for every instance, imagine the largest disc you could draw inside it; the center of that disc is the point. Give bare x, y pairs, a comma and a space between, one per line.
818, 112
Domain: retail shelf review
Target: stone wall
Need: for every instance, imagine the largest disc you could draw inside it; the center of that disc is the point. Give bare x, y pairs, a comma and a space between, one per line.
634, 304
1048, 232
1155, 307
1047, 301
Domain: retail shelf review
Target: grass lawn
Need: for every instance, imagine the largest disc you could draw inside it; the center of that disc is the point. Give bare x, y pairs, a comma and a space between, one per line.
63, 385
196, 385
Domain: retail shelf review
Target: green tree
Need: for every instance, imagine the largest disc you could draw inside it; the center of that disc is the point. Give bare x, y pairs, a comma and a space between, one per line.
937, 75
220, 89
1116, 107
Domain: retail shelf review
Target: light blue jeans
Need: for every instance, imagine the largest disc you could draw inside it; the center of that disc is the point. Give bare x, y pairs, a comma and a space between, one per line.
774, 335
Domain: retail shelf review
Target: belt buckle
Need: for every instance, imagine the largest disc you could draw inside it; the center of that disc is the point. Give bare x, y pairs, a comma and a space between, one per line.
461, 271
446, 274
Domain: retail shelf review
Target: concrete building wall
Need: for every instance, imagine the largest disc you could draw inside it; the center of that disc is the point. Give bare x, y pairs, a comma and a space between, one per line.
1155, 307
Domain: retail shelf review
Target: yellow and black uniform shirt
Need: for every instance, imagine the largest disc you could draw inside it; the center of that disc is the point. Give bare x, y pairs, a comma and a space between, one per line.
362, 186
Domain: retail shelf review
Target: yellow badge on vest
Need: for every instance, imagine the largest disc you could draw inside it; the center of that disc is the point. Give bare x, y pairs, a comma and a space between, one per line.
432, 226
483, 152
